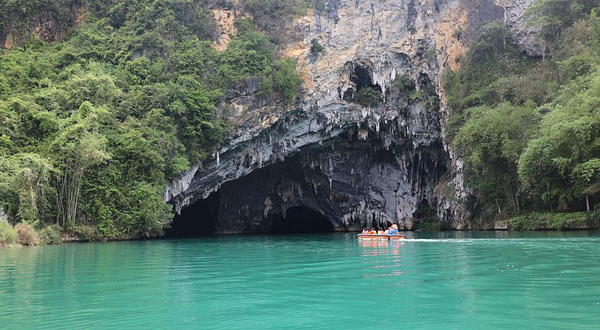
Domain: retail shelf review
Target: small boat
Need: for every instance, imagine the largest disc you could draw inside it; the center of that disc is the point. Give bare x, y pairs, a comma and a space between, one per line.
380, 237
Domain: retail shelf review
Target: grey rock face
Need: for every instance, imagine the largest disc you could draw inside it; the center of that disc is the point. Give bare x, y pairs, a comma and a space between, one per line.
354, 164
524, 35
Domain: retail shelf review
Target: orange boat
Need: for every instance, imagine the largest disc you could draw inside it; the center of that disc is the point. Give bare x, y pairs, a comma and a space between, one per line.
380, 237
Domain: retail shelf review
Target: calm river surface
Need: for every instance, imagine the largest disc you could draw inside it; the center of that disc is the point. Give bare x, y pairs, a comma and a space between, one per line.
459, 280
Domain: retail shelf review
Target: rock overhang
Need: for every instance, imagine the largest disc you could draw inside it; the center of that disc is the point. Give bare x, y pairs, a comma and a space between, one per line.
385, 40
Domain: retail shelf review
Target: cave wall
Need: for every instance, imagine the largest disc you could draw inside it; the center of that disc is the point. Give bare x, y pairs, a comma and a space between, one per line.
358, 165
355, 184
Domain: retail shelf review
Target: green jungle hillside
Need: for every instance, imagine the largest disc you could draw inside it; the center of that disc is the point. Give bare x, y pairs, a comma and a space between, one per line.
93, 125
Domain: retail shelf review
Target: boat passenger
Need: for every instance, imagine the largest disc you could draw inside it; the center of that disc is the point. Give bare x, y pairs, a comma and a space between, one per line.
372, 232
380, 232
394, 229
365, 231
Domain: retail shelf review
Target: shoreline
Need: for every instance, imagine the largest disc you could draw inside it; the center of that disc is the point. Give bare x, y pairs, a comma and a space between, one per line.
27, 234
70, 239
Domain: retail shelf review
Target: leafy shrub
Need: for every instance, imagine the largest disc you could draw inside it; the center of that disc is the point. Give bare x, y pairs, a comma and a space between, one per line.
86, 233
592, 219
27, 234
576, 66
51, 235
8, 234
554, 16
457, 34
287, 80
555, 221
315, 46
403, 84
428, 225
369, 96
268, 14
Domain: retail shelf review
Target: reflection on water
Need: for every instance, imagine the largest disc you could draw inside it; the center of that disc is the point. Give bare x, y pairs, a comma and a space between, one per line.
377, 247
430, 280
383, 256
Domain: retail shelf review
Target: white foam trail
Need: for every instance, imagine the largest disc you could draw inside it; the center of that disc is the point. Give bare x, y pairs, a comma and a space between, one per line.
471, 240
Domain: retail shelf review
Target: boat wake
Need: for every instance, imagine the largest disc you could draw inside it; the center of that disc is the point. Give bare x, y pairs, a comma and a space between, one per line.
502, 240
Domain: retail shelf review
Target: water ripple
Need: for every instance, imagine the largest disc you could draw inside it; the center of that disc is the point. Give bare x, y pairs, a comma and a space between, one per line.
445, 280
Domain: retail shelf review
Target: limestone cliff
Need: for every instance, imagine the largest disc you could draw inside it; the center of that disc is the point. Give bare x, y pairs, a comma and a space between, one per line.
357, 165
46, 25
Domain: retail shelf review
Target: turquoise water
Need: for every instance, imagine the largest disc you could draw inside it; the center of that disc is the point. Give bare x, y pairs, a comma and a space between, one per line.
447, 280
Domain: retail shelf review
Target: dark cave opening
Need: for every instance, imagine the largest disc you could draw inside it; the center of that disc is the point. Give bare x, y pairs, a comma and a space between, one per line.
361, 77
426, 211
301, 220
198, 219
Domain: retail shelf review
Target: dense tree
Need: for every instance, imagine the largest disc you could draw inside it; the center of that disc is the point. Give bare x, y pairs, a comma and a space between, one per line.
491, 142
78, 147
24, 184
529, 130
554, 16
93, 126
564, 159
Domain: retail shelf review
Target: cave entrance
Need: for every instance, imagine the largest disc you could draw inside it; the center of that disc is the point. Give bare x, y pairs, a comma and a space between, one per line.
362, 78
365, 92
198, 219
425, 211
301, 220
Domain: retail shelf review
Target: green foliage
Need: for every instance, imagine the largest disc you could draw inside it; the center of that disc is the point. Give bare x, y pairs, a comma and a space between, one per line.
24, 182
529, 130
86, 233
315, 46
369, 96
8, 234
15, 15
270, 16
51, 235
403, 84
457, 34
592, 219
491, 142
251, 55
93, 126
488, 60
287, 81
27, 234
554, 16
553, 221
428, 225
78, 147
564, 158
275, 8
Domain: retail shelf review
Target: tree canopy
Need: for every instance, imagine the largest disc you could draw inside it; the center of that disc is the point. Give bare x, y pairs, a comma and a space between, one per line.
93, 125
529, 129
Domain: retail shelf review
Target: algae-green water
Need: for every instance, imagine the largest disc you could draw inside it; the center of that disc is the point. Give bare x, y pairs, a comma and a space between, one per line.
455, 280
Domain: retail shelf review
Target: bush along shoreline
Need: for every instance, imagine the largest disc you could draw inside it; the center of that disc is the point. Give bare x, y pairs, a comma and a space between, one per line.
27, 235
30, 234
